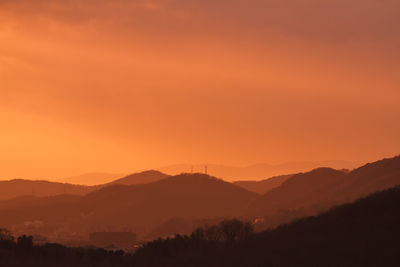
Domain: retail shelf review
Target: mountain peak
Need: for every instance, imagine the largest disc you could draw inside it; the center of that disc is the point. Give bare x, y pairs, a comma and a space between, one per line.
144, 177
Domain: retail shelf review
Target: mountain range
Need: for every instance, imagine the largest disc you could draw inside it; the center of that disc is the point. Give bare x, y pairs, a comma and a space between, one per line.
194, 197
263, 186
258, 171
20, 187
310, 193
363, 233
143, 205
91, 179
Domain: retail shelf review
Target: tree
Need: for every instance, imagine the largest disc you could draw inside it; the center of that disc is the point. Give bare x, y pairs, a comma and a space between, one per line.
25, 242
5, 235
227, 231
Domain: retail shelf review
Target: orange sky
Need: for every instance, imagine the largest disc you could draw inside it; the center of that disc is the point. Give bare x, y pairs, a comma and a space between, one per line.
120, 85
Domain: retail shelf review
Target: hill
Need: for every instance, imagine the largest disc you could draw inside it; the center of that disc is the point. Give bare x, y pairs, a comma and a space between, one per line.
185, 195
263, 186
363, 233
140, 178
19, 187
141, 206
310, 193
91, 179
258, 171
195, 197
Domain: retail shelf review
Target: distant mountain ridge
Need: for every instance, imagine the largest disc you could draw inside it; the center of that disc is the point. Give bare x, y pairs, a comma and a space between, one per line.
263, 186
91, 179
20, 187
144, 177
258, 171
198, 196
186, 195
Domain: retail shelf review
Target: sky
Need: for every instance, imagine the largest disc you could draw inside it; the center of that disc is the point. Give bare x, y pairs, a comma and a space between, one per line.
119, 86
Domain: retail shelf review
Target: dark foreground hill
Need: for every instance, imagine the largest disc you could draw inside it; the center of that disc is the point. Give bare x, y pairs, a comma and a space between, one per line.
364, 233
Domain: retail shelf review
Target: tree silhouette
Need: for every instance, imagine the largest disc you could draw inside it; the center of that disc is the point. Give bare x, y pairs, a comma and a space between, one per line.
5, 235
25, 242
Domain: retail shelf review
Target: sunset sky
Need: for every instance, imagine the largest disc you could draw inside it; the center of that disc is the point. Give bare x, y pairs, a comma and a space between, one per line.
125, 85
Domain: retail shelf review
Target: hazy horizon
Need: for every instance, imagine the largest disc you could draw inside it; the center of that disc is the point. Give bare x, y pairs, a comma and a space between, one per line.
224, 171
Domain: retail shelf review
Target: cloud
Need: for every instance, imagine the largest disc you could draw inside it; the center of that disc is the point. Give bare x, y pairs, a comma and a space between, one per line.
196, 76
321, 20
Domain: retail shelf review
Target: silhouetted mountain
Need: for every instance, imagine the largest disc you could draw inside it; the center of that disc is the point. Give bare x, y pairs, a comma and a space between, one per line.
91, 179
315, 191
187, 196
301, 190
258, 171
140, 178
371, 177
263, 186
18, 187
364, 233
198, 196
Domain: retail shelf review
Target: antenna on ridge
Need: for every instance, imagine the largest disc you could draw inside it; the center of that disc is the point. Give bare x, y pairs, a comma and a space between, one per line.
205, 169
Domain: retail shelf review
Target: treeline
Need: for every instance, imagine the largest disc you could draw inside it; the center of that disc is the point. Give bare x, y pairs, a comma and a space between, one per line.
22, 252
364, 233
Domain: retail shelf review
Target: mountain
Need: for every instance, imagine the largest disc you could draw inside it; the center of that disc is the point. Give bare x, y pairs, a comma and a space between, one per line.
19, 187
316, 191
103, 179
371, 177
142, 206
258, 171
198, 196
363, 233
91, 179
263, 186
140, 178
301, 190
185, 195
32, 201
